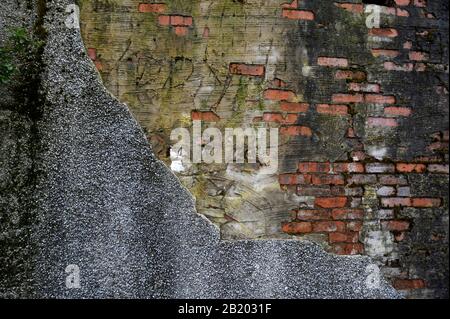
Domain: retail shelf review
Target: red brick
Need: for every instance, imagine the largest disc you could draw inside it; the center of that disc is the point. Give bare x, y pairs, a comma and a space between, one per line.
290, 118
294, 107
402, 3
348, 249
418, 56
385, 52
382, 122
279, 95
409, 284
328, 180
188, 21
348, 168
279, 118
313, 167
294, 179
380, 32
298, 14
287, 179
438, 168
304, 179
98, 65
164, 20
396, 202
294, 228
333, 62
331, 202
347, 214
328, 226
292, 5
391, 66
151, 7
332, 109
396, 225
355, 225
380, 99
350, 75
426, 202
296, 131
92, 53
181, 31
273, 117
348, 98
315, 214
206, 116
410, 168
177, 20
397, 111
352, 7
364, 87
247, 69
348, 237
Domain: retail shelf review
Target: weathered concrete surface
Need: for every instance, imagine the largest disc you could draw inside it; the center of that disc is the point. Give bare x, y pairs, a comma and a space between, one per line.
107, 205
17, 148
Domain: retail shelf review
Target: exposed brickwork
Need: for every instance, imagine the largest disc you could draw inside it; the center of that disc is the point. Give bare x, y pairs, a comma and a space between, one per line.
298, 14
206, 116
352, 7
247, 69
180, 24
152, 7
92, 53
362, 122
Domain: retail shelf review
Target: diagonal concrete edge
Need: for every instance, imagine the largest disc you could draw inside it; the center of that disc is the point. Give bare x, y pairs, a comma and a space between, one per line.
109, 207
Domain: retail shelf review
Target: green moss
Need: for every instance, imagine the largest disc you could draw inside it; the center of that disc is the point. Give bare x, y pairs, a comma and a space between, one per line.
21, 63
199, 190
242, 93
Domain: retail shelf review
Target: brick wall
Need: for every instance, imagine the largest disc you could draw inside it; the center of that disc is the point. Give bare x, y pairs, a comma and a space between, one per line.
362, 114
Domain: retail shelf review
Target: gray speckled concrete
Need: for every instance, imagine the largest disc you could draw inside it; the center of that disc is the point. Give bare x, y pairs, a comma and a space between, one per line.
107, 205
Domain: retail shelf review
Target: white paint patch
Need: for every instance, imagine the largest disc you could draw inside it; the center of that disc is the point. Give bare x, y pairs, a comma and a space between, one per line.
378, 243
177, 162
378, 152
307, 70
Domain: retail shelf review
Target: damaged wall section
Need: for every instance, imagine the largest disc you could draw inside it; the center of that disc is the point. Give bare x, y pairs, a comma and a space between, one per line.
361, 110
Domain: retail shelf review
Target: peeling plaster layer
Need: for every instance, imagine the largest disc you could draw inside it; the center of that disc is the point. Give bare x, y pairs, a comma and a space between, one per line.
107, 205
